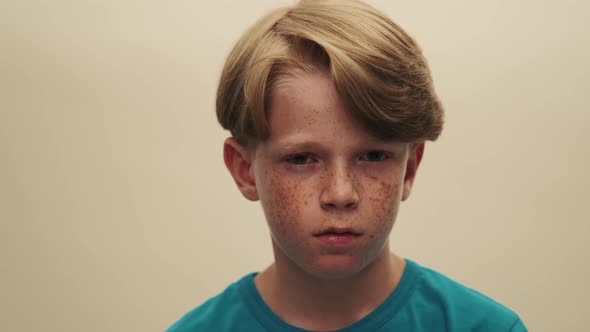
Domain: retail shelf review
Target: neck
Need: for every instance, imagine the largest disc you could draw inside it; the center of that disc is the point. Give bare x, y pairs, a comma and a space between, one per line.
327, 304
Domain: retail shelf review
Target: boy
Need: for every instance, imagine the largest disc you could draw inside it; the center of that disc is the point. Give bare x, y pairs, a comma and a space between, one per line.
329, 104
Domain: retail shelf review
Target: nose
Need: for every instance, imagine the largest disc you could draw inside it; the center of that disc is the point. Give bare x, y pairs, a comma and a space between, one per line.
339, 190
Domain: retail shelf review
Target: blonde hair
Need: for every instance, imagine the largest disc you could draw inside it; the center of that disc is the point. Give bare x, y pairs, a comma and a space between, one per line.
378, 70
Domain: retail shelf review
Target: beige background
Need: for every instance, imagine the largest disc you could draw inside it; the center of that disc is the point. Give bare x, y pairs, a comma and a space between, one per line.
116, 211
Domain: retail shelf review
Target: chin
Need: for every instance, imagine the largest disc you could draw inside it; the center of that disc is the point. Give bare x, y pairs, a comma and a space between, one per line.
345, 266
335, 268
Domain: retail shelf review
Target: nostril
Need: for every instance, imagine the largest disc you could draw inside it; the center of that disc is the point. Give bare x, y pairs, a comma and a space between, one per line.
347, 202
350, 205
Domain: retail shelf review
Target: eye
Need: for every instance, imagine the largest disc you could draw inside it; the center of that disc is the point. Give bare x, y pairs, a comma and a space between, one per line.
375, 156
299, 159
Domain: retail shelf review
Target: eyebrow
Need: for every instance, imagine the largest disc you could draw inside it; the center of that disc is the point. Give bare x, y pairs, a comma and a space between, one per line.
293, 145
301, 145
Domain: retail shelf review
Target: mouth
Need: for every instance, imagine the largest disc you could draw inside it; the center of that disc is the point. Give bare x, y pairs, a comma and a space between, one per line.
337, 237
337, 231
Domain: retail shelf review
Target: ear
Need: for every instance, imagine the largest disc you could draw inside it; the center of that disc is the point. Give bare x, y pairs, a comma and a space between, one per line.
238, 161
414, 159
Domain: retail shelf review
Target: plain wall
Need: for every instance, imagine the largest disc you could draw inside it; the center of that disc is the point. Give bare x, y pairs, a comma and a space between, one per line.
117, 213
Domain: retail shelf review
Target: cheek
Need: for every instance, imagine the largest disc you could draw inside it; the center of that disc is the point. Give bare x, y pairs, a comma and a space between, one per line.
283, 203
383, 204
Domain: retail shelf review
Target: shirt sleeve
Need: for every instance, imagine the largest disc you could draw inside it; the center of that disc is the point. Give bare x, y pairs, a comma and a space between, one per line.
518, 326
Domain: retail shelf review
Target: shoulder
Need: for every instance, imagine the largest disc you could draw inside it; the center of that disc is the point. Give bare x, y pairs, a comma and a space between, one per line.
461, 306
215, 313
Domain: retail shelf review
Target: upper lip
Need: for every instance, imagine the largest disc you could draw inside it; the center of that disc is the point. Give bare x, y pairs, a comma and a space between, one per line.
337, 230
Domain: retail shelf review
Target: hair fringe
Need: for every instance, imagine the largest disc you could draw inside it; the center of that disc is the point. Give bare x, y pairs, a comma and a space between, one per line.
378, 70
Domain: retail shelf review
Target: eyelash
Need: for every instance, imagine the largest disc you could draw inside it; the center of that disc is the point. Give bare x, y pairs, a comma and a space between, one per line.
382, 156
292, 159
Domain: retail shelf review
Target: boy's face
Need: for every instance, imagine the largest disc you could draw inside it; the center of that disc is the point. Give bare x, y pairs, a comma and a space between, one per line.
330, 190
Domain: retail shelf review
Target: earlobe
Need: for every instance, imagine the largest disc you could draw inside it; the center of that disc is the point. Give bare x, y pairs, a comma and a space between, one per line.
414, 158
238, 161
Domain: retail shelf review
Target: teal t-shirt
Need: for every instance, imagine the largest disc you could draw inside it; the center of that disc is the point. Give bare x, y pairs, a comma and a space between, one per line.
424, 300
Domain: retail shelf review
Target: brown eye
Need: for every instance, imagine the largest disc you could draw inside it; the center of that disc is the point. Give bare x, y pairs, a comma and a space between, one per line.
375, 156
299, 159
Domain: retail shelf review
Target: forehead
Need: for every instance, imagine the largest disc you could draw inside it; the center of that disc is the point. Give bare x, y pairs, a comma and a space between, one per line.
307, 107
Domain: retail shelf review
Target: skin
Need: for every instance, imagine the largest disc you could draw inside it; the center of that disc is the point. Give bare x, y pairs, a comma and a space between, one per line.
319, 169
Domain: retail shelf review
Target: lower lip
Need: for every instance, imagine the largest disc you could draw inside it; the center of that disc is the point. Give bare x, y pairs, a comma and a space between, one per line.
337, 240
